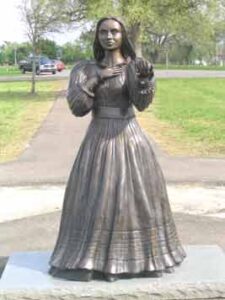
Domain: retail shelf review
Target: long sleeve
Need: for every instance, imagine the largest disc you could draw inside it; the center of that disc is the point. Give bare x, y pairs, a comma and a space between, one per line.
145, 93
141, 90
80, 95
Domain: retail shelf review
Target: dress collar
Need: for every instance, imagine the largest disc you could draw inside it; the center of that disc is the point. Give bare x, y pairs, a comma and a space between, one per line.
104, 65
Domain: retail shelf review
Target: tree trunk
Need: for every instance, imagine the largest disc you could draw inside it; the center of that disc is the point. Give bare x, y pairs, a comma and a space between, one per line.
155, 56
167, 58
33, 80
135, 33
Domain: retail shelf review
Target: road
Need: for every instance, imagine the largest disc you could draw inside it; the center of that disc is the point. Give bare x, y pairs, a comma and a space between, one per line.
159, 74
45, 76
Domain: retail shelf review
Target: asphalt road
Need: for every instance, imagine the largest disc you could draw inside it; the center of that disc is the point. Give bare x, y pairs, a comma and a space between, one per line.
159, 74
27, 77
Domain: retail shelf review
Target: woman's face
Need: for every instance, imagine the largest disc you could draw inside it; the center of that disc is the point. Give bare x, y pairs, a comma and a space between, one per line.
110, 35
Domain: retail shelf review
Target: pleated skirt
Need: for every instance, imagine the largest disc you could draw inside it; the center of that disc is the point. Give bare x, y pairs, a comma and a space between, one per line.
116, 216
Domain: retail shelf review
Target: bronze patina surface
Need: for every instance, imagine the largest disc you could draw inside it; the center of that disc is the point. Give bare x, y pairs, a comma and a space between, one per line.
116, 220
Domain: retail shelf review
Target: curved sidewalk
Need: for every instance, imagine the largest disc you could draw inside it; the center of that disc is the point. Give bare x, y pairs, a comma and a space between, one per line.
50, 154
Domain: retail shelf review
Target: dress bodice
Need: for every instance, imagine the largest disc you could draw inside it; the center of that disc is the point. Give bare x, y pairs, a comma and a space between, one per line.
120, 91
113, 92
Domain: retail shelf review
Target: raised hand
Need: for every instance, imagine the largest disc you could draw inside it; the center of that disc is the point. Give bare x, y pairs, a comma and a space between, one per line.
144, 68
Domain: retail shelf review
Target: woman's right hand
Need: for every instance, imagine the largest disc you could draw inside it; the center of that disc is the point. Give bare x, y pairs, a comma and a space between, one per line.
109, 72
103, 74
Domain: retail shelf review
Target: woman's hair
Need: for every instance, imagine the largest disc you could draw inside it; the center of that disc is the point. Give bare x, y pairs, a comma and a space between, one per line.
126, 47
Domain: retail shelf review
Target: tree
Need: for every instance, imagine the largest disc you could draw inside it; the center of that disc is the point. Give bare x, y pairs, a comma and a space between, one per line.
9, 53
47, 47
161, 18
174, 20
71, 52
23, 50
40, 17
190, 26
78, 50
156, 24
220, 33
2, 55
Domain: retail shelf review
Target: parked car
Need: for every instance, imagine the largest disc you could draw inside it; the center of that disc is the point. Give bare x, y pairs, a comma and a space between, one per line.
43, 64
59, 64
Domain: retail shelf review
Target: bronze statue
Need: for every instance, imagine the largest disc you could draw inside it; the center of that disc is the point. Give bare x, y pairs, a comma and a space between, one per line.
116, 220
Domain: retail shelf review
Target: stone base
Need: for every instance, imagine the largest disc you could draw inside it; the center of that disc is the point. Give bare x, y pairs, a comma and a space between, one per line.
201, 276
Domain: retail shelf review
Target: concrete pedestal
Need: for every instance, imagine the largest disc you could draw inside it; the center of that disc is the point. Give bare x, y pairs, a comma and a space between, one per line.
201, 276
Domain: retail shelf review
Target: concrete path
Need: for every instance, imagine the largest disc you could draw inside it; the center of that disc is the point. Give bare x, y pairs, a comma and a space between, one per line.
49, 156
48, 159
40, 232
21, 202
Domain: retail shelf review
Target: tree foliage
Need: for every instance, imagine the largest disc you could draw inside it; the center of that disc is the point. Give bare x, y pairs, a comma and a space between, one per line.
178, 29
40, 17
47, 47
159, 25
189, 25
155, 23
79, 49
11, 53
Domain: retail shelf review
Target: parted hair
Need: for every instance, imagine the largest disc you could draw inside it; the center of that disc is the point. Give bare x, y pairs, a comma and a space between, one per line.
126, 47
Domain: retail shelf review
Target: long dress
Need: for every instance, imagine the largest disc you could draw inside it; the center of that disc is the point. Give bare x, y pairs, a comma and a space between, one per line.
116, 215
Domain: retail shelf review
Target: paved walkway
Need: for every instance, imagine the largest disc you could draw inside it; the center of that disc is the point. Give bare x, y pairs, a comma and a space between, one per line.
49, 156
22, 202
48, 159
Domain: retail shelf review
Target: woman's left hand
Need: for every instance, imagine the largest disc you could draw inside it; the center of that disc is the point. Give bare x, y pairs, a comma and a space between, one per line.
144, 68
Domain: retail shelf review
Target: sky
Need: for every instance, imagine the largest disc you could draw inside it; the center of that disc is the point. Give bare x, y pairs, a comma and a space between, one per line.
12, 28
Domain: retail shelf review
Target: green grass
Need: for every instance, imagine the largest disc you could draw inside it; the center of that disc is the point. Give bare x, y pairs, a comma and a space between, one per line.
188, 116
22, 113
189, 67
9, 71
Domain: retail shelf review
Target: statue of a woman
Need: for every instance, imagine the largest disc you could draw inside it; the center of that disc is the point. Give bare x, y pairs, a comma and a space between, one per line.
116, 220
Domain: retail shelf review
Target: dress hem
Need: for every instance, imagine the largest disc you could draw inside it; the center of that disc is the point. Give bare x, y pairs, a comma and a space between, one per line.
132, 266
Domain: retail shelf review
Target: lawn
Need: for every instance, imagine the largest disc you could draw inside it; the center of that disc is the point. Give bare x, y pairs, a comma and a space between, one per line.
9, 71
21, 113
188, 117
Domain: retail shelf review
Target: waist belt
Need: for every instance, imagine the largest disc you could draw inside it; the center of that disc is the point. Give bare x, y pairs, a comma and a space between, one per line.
108, 112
